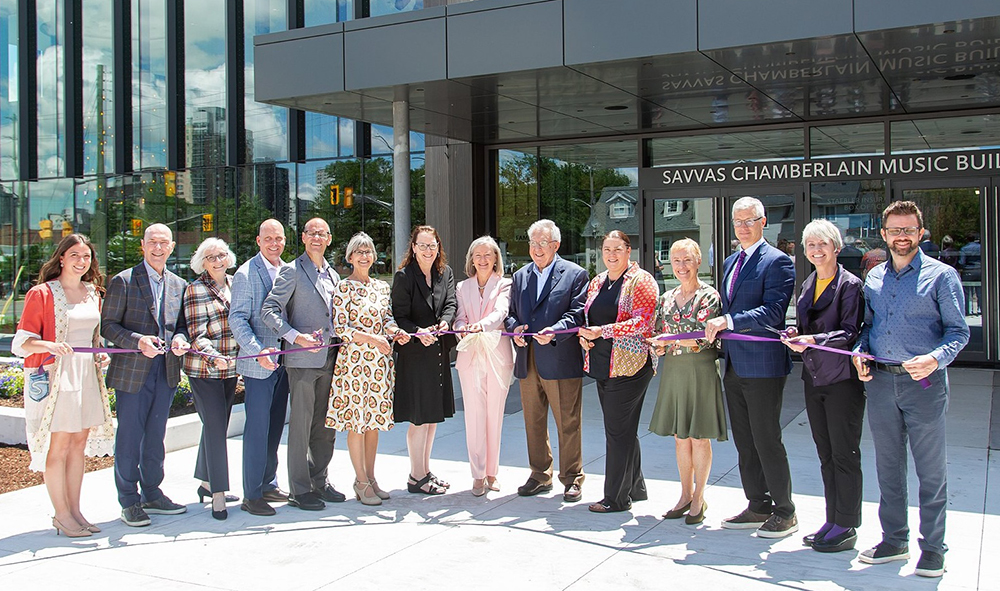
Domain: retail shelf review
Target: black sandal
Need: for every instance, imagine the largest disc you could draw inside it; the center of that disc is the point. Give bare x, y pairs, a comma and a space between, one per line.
438, 481
417, 486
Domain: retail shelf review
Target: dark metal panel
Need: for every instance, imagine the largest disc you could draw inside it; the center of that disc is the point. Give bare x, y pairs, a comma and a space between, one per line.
870, 15
394, 54
731, 23
236, 133
122, 20
638, 28
176, 137
430, 12
480, 5
73, 86
27, 90
299, 68
505, 40
301, 33
296, 117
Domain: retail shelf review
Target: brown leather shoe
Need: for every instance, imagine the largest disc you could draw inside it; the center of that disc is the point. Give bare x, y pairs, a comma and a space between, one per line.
572, 493
257, 507
275, 495
532, 487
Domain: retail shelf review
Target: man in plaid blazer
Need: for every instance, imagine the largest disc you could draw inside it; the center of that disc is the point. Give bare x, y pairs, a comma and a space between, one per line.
757, 284
265, 381
299, 310
142, 311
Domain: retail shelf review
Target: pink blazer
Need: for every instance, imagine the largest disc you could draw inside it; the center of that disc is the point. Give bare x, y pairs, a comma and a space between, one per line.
491, 310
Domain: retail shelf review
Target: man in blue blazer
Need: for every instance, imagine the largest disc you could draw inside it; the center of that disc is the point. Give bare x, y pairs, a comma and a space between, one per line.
757, 284
266, 382
548, 295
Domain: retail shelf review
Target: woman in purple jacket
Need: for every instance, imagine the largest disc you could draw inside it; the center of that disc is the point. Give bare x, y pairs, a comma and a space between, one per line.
830, 311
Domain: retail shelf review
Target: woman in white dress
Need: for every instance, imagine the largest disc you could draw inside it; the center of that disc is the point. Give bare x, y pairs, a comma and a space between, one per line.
65, 400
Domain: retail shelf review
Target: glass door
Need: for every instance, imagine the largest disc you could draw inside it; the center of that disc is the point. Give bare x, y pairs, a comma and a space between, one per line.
675, 215
782, 230
956, 219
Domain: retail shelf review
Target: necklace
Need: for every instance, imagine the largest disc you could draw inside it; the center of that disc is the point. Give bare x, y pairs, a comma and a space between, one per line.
612, 283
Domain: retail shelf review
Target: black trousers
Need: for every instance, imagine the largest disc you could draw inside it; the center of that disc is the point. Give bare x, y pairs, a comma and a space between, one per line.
621, 402
213, 399
836, 414
755, 413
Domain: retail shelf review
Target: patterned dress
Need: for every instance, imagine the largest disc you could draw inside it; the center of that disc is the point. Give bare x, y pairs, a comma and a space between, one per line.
363, 377
689, 403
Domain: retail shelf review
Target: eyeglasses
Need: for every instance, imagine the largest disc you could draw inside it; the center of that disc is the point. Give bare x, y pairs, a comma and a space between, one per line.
154, 244
748, 223
540, 243
615, 250
363, 253
909, 231
317, 234
212, 258
426, 247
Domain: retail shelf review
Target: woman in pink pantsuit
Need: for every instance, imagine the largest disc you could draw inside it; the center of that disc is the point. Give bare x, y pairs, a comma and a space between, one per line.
485, 361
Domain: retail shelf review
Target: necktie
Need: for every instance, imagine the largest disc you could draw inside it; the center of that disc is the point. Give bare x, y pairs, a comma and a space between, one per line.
161, 314
736, 273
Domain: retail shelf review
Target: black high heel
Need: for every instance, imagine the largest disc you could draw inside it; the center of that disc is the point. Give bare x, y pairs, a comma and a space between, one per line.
204, 492
220, 515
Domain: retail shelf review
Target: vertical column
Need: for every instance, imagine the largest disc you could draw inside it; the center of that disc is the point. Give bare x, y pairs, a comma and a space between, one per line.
401, 173
27, 91
450, 179
73, 87
236, 134
176, 140
296, 117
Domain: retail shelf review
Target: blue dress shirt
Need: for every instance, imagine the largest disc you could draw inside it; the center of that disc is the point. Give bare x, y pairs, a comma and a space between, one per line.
915, 311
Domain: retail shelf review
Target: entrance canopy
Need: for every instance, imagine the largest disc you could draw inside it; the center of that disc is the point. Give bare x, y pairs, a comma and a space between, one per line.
502, 71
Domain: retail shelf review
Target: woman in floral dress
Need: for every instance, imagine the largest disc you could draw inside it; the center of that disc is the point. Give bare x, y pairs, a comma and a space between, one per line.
363, 377
689, 405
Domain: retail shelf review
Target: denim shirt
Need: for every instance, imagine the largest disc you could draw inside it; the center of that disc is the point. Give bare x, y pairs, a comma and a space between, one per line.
916, 311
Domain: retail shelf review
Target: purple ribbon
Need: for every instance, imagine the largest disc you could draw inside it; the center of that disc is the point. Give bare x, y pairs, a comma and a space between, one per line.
735, 336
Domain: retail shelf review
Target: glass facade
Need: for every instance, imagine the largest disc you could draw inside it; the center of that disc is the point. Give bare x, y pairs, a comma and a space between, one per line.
207, 195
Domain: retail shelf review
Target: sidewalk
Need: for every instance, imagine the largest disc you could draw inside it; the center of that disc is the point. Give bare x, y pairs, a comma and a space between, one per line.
502, 541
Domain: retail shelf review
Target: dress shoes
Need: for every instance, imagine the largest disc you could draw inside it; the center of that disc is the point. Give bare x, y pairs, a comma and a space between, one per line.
275, 495
309, 501
572, 493
678, 512
839, 543
696, 518
532, 487
605, 507
330, 494
257, 507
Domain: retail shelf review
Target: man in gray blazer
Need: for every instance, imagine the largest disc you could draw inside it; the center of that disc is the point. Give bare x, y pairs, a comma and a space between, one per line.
265, 381
141, 311
298, 309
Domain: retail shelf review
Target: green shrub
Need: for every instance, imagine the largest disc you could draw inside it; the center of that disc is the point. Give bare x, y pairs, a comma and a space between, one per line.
183, 395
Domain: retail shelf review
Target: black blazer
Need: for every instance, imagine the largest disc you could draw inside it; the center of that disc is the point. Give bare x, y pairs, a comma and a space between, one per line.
834, 321
415, 305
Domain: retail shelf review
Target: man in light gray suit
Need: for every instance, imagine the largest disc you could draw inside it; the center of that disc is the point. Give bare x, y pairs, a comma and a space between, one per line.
298, 309
265, 381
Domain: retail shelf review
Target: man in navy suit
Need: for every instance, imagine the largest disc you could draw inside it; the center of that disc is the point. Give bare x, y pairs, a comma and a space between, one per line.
266, 382
548, 295
757, 284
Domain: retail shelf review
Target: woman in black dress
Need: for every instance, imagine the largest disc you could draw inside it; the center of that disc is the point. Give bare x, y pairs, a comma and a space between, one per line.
423, 301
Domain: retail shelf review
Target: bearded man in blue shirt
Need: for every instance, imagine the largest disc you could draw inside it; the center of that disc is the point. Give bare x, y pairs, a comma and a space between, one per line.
913, 313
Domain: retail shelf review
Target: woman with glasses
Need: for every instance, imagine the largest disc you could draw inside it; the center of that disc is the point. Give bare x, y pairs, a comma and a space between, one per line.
830, 310
423, 302
212, 373
485, 360
621, 305
66, 408
689, 404
363, 377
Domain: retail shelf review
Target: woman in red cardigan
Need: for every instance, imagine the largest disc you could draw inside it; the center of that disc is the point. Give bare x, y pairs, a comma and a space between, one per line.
65, 402
620, 309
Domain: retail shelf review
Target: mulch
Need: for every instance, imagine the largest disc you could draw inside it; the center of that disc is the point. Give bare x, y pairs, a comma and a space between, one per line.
14, 461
